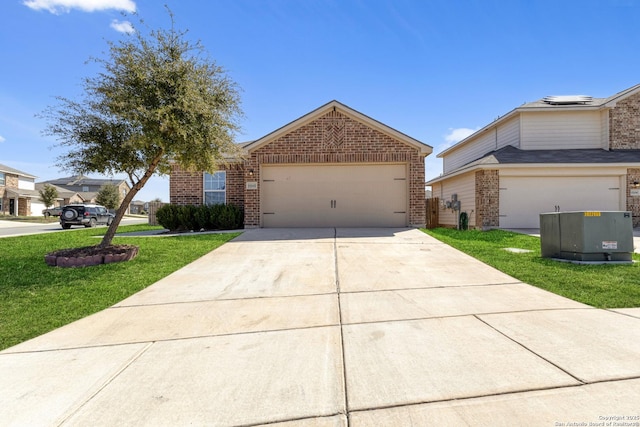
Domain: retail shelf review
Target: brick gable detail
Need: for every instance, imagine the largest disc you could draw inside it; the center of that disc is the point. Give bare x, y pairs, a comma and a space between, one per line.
336, 138
333, 138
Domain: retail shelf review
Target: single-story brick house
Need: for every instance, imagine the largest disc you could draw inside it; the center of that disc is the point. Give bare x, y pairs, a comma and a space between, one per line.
561, 153
333, 167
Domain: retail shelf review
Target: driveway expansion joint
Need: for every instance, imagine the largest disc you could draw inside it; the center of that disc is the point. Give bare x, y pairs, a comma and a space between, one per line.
108, 381
581, 381
342, 346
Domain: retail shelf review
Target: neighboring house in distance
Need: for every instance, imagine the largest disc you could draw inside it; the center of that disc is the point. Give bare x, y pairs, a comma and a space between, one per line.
65, 196
333, 167
138, 206
565, 153
83, 189
18, 195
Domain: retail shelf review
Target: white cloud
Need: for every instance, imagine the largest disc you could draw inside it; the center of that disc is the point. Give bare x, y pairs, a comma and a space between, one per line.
2, 139
122, 26
457, 135
65, 6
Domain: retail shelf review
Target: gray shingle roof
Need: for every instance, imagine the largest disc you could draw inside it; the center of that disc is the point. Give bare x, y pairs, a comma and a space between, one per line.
7, 169
80, 180
510, 154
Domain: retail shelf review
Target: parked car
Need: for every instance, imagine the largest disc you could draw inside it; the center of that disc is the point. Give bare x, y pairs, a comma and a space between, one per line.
55, 211
85, 214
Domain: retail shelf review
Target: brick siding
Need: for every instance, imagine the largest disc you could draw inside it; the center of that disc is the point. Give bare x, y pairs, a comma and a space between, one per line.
11, 182
335, 138
487, 199
187, 188
633, 202
624, 124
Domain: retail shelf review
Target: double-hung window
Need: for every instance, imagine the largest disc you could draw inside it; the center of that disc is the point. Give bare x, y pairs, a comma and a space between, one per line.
2, 181
215, 188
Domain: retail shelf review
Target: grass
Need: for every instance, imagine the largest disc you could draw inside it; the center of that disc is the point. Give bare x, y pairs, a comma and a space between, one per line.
37, 298
602, 286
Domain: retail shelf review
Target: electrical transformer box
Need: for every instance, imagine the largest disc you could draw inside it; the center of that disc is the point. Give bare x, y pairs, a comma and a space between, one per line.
587, 236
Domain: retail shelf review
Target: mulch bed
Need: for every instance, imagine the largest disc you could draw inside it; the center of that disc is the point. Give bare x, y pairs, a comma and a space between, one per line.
90, 255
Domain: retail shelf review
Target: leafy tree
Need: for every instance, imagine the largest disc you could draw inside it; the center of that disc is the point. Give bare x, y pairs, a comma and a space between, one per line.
48, 195
109, 196
159, 100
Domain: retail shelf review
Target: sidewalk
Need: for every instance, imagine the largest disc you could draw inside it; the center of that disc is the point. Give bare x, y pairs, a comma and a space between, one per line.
324, 327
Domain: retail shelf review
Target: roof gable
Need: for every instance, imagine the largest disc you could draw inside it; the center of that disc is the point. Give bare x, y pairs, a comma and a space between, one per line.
347, 111
7, 169
593, 104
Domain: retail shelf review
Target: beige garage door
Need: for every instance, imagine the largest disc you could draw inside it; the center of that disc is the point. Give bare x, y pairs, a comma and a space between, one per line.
523, 199
334, 196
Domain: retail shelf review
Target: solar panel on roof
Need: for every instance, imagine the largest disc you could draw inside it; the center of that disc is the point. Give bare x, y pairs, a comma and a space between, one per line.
567, 99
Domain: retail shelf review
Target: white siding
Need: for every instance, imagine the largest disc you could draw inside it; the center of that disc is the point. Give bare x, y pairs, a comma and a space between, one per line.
507, 133
604, 129
26, 184
561, 130
464, 186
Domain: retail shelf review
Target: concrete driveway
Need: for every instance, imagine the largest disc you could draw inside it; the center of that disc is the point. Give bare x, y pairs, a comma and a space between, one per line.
324, 327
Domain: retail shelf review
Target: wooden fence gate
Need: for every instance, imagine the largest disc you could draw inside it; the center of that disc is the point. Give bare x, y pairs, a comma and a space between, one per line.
433, 207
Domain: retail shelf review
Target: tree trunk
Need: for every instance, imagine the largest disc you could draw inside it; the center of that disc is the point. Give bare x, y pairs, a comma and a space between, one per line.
137, 186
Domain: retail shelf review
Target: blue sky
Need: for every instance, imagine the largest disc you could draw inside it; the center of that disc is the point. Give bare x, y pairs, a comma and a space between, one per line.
435, 70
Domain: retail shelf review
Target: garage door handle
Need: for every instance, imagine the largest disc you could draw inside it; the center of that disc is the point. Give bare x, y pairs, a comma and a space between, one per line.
333, 204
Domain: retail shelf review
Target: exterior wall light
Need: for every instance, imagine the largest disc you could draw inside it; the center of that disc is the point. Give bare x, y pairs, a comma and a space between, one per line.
250, 172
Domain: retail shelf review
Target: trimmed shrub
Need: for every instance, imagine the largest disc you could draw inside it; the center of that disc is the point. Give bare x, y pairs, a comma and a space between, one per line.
203, 217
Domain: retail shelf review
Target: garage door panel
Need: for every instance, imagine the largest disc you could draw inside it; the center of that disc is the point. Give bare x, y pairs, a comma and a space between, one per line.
523, 199
334, 196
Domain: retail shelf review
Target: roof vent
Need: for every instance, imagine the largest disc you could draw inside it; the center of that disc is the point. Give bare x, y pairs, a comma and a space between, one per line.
568, 100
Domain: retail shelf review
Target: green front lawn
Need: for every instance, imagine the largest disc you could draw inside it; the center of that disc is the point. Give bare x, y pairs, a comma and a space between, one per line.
36, 298
603, 286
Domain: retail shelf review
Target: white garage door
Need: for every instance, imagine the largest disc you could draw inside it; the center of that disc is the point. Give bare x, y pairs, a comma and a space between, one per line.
523, 199
334, 196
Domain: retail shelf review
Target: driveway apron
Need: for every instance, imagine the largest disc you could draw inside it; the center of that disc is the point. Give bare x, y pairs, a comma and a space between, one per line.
331, 327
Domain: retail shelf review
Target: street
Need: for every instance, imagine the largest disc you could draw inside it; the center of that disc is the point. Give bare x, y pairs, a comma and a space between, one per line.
17, 228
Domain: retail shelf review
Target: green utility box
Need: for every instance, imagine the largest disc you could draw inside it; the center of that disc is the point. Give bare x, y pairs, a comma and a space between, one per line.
587, 236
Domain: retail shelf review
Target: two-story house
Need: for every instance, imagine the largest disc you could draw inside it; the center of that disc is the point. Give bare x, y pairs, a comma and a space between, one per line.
18, 195
85, 188
561, 153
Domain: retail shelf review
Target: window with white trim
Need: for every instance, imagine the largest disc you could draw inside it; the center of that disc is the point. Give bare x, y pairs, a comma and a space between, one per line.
2, 181
215, 188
